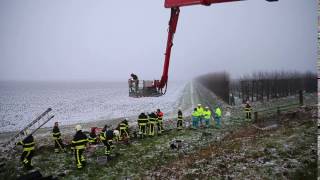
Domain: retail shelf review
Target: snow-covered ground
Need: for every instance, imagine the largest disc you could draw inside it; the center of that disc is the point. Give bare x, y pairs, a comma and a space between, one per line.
77, 102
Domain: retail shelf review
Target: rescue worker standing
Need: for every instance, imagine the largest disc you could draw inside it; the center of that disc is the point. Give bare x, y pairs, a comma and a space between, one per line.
28, 145
207, 116
57, 138
152, 122
218, 114
195, 118
180, 119
136, 81
159, 121
200, 114
247, 110
123, 128
79, 144
142, 123
106, 137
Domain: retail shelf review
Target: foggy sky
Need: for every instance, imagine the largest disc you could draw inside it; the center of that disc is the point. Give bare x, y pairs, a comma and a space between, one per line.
106, 40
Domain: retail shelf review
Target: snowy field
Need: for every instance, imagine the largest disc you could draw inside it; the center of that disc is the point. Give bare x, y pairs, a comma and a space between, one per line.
20, 103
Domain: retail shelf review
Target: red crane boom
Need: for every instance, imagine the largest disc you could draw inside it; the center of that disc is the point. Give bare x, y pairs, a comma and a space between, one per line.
174, 5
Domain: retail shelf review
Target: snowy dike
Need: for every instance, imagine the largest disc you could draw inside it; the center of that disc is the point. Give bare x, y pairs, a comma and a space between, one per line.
20, 103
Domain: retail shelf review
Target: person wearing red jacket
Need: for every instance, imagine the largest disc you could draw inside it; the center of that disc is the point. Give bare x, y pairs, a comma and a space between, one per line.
160, 121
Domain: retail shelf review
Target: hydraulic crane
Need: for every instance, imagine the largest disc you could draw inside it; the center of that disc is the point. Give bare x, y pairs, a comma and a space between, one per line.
156, 87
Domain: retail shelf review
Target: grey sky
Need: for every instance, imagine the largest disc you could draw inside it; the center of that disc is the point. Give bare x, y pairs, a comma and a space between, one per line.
108, 39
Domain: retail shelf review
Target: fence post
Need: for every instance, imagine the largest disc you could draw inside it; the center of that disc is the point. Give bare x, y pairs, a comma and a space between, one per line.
255, 116
300, 98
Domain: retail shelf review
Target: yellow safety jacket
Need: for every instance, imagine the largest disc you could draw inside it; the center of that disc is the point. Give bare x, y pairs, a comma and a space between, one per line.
80, 140
207, 114
200, 111
218, 112
195, 114
142, 121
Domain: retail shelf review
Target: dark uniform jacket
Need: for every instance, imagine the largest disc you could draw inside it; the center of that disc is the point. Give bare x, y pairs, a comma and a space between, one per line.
56, 132
28, 143
79, 140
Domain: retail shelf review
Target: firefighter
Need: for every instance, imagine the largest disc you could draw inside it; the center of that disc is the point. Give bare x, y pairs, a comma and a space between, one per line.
200, 114
79, 143
247, 110
159, 121
93, 136
58, 145
180, 119
152, 122
195, 118
123, 129
218, 114
207, 116
28, 145
136, 81
142, 123
106, 137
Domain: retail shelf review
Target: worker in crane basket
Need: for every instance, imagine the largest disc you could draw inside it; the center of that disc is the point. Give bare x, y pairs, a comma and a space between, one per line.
79, 143
152, 123
142, 123
207, 116
136, 81
159, 115
180, 119
28, 145
58, 144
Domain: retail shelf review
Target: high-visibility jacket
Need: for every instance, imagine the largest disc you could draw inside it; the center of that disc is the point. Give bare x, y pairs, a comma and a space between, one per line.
207, 114
123, 126
28, 143
80, 140
56, 133
218, 112
195, 114
200, 111
153, 118
92, 137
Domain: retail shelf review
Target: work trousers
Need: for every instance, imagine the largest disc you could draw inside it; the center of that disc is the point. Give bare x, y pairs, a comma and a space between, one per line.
26, 158
195, 122
58, 145
79, 156
248, 114
179, 123
160, 127
151, 128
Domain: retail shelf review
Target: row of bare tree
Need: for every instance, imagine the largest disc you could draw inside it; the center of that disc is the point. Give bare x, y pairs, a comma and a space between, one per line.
259, 86
267, 85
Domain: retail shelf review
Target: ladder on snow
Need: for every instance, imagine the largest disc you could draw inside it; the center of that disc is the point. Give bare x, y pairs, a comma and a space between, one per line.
32, 127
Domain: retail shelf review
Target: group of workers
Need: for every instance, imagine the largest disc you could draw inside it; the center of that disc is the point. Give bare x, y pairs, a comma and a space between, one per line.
202, 116
147, 124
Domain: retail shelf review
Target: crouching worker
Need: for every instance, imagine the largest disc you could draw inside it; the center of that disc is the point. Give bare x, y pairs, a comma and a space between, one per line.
28, 145
58, 145
79, 143
106, 137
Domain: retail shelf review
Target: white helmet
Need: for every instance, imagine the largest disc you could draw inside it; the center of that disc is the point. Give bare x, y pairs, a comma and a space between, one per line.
207, 107
78, 127
26, 132
116, 132
179, 108
199, 104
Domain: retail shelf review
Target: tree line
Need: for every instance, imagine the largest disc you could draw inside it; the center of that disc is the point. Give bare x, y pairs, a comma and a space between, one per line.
259, 86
